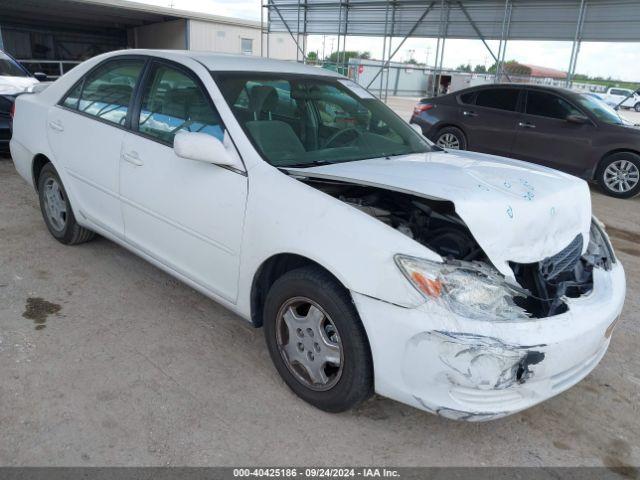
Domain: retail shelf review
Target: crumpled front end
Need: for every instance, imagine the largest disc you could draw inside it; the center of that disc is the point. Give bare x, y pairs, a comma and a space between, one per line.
477, 370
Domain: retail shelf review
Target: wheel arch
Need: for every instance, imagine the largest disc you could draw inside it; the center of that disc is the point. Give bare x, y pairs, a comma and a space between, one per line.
38, 163
598, 166
272, 269
441, 126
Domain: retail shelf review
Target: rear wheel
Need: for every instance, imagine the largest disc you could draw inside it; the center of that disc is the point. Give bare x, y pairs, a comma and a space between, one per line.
451, 138
636, 107
619, 175
56, 209
316, 340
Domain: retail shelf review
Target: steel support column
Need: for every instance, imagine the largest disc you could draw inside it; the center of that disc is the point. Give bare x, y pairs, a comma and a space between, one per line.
479, 33
575, 48
286, 25
413, 29
393, 19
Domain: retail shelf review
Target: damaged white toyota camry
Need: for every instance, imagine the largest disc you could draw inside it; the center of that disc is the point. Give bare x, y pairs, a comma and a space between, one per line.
466, 285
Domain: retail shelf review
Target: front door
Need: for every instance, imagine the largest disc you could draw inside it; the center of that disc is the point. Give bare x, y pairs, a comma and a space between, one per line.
186, 214
545, 136
85, 133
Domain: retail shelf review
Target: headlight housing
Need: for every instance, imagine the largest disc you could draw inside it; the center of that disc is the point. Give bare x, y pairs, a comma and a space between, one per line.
599, 251
467, 289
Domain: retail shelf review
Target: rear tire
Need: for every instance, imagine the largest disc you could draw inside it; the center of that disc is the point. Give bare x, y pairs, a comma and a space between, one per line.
618, 175
301, 352
451, 138
56, 209
636, 107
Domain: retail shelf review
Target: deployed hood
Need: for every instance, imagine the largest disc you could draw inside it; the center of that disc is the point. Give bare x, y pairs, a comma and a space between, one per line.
516, 211
14, 85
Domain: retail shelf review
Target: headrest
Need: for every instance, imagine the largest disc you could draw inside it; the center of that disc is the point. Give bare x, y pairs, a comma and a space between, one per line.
262, 98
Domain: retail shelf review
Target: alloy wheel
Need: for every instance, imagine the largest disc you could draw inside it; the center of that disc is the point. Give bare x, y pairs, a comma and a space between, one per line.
309, 343
448, 140
621, 176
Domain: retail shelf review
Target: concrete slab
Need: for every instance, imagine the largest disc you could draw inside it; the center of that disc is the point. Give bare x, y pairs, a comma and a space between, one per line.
137, 369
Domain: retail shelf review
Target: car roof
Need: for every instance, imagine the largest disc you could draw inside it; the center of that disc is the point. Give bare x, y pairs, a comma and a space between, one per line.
222, 62
527, 86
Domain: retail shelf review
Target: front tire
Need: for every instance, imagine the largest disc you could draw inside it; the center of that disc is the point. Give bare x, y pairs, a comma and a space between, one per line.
636, 107
317, 341
56, 209
451, 138
619, 175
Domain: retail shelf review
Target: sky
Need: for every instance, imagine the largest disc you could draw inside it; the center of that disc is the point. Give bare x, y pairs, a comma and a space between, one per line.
617, 60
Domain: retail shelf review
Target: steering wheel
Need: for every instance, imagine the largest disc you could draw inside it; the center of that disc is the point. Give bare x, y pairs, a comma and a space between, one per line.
341, 133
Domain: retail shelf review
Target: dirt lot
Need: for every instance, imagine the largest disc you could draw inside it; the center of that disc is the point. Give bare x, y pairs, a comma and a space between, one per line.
105, 360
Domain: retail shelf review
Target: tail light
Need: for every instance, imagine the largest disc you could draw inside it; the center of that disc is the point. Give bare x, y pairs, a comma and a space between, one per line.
422, 107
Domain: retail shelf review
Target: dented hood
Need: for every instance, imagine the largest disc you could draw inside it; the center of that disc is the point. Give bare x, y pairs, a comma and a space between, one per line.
516, 211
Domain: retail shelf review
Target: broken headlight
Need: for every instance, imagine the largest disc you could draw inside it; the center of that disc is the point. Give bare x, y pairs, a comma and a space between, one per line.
467, 289
599, 251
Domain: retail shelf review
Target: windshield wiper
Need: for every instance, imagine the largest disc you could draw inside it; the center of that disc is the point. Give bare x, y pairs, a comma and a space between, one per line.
314, 163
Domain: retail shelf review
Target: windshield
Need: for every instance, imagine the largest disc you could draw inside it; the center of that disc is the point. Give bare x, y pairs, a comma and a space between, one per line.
600, 109
9, 68
302, 121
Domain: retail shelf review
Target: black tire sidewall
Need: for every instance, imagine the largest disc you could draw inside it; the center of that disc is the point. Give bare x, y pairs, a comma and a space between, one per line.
356, 381
64, 236
459, 134
603, 166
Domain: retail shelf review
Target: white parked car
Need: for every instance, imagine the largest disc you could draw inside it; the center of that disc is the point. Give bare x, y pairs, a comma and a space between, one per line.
467, 285
621, 97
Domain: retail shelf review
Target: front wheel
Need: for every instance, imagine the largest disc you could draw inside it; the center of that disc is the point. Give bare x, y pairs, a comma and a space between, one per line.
317, 341
451, 138
56, 209
636, 107
619, 175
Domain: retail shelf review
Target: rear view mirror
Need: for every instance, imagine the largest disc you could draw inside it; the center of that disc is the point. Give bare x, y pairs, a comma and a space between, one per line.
202, 147
41, 77
577, 118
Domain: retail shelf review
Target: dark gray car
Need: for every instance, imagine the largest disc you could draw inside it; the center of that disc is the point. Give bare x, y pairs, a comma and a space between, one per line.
569, 131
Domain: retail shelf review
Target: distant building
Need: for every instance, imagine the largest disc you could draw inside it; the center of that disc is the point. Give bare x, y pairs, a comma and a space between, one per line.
545, 72
52, 36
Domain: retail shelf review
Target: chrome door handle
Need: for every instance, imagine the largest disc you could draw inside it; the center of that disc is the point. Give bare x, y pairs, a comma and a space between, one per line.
132, 158
56, 125
468, 113
526, 125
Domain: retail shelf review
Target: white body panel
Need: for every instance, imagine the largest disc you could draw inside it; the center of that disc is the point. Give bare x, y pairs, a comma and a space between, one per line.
214, 228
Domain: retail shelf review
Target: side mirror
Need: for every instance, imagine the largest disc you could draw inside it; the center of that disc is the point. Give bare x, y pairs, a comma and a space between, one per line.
577, 118
202, 147
40, 76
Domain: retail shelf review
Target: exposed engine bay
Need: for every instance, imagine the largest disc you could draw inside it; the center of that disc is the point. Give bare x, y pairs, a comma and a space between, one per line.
435, 224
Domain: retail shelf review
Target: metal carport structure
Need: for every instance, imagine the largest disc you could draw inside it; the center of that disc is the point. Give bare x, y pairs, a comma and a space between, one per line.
560, 20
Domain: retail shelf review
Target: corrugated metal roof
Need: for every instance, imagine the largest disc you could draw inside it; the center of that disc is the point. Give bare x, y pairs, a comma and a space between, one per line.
605, 20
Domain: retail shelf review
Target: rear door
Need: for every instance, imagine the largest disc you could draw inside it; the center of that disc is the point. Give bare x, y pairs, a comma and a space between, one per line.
490, 122
546, 137
85, 132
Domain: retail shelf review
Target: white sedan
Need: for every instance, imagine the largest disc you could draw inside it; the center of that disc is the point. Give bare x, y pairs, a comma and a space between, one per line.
467, 285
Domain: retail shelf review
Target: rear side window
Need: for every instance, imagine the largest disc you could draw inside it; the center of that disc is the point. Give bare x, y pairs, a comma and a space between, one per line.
500, 98
174, 102
106, 92
548, 105
467, 97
